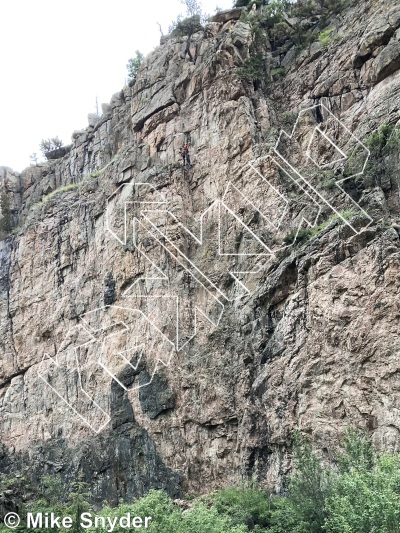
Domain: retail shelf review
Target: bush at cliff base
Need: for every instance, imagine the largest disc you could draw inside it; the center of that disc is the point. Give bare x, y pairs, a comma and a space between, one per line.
359, 492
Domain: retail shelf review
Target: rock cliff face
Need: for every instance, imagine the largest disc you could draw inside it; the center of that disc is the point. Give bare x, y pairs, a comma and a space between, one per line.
158, 326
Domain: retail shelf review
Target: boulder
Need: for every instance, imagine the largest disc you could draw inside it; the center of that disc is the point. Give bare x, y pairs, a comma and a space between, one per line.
226, 15
388, 61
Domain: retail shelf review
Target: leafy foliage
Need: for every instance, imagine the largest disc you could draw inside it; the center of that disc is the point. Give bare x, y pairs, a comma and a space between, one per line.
78, 503
358, 493
309, 487
187, 26
322, 8
63, 188
52, 490
271, 29
191, 23
6, 223
255, 66
366, 495
304, 9
48, 145
326, 38
166, 517
249, 505
304, 235
384, 147
278, 73
133, 65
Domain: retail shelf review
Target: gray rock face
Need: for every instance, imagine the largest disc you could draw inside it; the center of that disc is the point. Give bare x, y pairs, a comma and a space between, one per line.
93, 119
224, 16
149, 355
388, 61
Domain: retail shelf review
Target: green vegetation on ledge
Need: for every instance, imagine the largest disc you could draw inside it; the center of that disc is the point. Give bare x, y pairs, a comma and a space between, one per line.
6, 223
358, 493
64, 188
383, 162
303, 235
272, 31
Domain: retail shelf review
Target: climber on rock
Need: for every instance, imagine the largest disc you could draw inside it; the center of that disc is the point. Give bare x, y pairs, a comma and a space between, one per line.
186, 148
185, 155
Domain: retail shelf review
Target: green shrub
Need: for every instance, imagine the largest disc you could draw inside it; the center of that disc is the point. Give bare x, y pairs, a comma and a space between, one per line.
273, 13
302, 37
327, 179
167, 518
250, 506
309, 486
366, 494
325, 37
133, 65
358, 493
78, 501
304, 9
294, 237
384, 147
288, 118
358, 453
6, 222
278, 73
323, 8
186, 26
279, 33
53, 490
100, 171
162, 510
201, 518
304, 235
253, 68
284, 517
193, 22
48, 145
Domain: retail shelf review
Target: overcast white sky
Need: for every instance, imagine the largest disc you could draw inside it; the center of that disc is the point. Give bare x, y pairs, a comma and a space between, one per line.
56, 57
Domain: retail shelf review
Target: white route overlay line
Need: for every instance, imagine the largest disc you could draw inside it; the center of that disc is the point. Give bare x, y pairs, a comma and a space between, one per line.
133, 310
283, 198
345, 157
177, 345
308, 154
217, 299
181, 257
126, 204
54, 360
299, 184
147, 208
